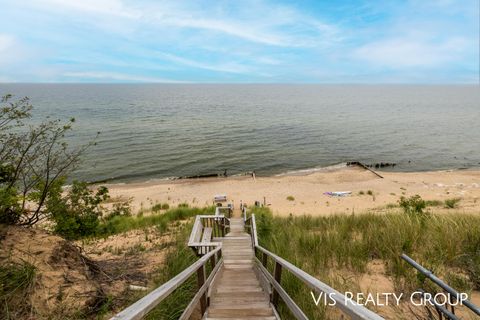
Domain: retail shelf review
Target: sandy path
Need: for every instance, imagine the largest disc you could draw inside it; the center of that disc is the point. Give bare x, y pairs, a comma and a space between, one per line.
308, 190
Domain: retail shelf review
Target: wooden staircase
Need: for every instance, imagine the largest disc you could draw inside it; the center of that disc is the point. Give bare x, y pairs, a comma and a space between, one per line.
237, 293
238, 284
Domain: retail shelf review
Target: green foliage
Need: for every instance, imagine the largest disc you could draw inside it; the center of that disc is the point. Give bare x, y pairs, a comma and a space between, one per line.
263, 220
361, 193
16, 283
160, 206
9, 205
124, 223
291, 198
412, 205
34, 159
179, 258
370, 192
77, 213
452, 203
433, 203
119, 209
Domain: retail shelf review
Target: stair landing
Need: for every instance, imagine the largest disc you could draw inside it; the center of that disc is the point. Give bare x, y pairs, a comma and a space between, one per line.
237, 293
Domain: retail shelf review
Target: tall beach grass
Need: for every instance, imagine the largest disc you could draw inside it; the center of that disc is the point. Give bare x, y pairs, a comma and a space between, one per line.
329, 247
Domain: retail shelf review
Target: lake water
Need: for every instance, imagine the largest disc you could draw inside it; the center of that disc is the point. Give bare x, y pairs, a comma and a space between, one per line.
163, 130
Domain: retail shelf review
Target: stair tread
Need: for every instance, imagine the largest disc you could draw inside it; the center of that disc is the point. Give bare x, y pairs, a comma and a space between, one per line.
237, 293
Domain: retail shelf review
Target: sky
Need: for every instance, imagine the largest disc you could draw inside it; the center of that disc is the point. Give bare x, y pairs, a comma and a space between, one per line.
311, 41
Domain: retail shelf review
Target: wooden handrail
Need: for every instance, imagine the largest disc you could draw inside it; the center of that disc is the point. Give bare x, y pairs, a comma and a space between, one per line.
140, 308
200, 241
354, 310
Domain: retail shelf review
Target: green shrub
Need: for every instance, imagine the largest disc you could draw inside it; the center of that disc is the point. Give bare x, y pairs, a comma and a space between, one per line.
433, 203
9, 206
412, 205
76, 214
370, 192
361, 192
452, 203
183, 205
291, 198
119, 209
160, 206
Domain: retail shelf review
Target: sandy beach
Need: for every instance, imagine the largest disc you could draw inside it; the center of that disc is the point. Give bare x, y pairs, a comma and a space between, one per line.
308, 189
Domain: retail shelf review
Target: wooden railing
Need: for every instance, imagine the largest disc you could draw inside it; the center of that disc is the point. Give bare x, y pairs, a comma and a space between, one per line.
225, 211
139, 309
205, 228
353, 310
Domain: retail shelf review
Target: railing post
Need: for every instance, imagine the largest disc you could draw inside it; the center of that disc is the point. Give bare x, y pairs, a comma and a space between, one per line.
223, 227
213, 261
278, 278
264, 259
201, 281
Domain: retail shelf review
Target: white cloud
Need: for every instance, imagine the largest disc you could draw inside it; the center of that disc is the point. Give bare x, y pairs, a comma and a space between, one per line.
10, 51
114, 76
263, 23
104, 7
230, 67
411, 52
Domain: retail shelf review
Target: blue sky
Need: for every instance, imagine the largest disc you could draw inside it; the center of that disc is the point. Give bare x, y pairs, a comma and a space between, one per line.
421, 41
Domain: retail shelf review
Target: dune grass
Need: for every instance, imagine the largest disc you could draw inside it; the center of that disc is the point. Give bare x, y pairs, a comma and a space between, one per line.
178, 257
447, 244
17, 280
120, 224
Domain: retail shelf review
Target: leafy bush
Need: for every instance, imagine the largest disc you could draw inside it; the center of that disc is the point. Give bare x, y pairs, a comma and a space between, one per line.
160, 206
119, 209
433, 203
34, 159
76, 214
10, 211
452, 203
412, 205
291, 198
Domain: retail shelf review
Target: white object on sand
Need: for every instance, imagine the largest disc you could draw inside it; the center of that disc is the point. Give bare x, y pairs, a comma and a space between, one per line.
220, 198
338, 193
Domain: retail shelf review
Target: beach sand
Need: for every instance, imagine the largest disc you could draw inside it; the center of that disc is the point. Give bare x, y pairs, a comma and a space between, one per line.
308, 189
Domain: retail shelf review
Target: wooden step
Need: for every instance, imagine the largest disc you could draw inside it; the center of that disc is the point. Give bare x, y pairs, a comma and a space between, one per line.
236, 304
244, 289
237, 293
239, 312
242, 318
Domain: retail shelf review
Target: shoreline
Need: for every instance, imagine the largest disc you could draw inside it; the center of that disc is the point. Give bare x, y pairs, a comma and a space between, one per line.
308, 188
296, 172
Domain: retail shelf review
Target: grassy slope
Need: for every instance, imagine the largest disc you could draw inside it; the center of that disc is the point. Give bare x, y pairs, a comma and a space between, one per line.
447, 244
